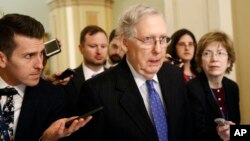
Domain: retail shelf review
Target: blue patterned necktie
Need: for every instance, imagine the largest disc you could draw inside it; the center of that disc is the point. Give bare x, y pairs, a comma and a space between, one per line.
7, 115
158, 112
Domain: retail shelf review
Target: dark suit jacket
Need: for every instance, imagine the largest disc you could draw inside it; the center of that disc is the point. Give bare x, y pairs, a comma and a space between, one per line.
204, 108
125, 117
72, 90
42, 105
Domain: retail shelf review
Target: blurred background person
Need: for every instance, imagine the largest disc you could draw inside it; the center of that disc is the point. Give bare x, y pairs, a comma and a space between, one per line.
182, 48
115, 51
93, 47
211, 94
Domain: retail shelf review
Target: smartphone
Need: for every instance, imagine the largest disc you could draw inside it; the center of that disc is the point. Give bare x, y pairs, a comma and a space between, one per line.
220, 121
68, 72
175, 61
68, 123
52, 47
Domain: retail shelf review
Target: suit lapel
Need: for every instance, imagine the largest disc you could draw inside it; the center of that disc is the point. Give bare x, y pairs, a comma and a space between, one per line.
164, 81
132, 101
167, 79
79, 77
169, 93
229, 98
211, 100
29, 104
209, 94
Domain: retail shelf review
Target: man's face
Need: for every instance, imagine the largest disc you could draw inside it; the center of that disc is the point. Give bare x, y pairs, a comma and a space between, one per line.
94, 50
147, 61
25, 65
115, 51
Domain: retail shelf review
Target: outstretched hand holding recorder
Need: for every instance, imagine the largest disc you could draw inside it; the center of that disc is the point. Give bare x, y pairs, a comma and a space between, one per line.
67, 124
68, 72
220, 121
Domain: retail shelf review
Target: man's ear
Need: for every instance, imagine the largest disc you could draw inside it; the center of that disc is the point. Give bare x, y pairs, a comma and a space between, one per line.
124, 43
80, 46
3, 60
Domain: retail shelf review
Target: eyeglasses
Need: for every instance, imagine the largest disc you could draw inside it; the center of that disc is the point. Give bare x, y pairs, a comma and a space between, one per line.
184, 44
149, 42
219, 54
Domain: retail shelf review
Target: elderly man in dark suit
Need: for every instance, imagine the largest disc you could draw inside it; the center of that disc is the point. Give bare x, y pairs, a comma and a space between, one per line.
130, 91
36, 106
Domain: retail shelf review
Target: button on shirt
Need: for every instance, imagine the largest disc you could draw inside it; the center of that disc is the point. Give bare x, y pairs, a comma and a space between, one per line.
18, 99
221, 101
141, 84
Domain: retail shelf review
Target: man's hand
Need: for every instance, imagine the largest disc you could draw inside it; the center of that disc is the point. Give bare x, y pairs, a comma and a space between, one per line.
57, 129
171, 60
53, 79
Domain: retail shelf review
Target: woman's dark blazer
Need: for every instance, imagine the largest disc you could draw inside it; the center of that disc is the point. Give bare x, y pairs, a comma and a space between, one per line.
204, 108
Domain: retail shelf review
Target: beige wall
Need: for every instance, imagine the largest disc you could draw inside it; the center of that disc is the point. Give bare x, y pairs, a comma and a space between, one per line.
241, 23
34, 8
200, 16
67, 19
120, 5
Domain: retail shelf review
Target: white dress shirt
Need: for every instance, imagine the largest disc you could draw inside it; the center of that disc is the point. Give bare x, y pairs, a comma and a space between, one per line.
88, 73
18, 99
141, 84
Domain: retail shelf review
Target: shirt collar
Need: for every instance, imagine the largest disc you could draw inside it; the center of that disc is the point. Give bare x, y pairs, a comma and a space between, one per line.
88, 72
139, 79
20, 88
